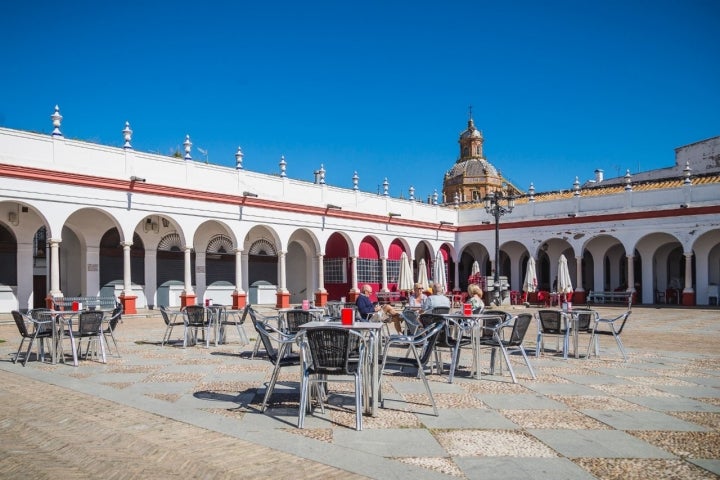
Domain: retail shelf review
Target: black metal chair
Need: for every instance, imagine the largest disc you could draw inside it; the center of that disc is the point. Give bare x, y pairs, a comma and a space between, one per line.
279, 357
170, 323
32, 330
111, 325
331, 352
90, 326
421, 345
196, 318
519, 326
451, 338
608, 326
550, 323
234, 318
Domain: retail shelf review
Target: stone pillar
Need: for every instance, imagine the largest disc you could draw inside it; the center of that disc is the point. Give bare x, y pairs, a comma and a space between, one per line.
354, 292
283, 295
456, 277
54, 272
188, 295
321, 294
127, 299
383, 278
688, 294
579, 295
631, 278
239, 296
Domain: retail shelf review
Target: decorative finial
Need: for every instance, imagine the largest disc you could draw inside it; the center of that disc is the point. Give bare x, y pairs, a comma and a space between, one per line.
127, 135
469, 112
56, 120
687, 180
386, 186
456, 200
531, 192
283, 166
435, 197
238, 159
576, 187
628, 178
355, 180
412, 193
188, 145
322, 174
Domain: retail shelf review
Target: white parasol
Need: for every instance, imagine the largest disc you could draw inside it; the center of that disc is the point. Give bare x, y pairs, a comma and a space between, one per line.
405, 279
439, 276
422, 275
475, 268
530, 283
564, 283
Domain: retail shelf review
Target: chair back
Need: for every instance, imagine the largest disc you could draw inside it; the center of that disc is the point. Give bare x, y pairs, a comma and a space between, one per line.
165, 316
295, 318
265, 338
503, 315
439, 310
490, 323
40, 313
550, 321
433, 325
520, 328
115, 316
626, 315
90, 322
585, 319
22, 326
196, 316
331, 348
411, 320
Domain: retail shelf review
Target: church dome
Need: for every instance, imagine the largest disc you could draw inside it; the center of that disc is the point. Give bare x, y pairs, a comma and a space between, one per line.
471, 132
472, 167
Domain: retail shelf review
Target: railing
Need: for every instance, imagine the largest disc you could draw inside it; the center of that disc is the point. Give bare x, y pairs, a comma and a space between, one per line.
72, 303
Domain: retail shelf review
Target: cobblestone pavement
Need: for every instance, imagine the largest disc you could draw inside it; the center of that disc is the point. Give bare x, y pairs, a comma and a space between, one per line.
170, 412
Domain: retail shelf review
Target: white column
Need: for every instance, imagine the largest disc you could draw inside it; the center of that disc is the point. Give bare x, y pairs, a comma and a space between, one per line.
55, 268
354, 279
200, 275
631, 273
151, 276
238, 271
578, 275
456, 280
282, 287
188, 273
321, 273
245, 268
383, 269
127, 274
24, 275
688, 273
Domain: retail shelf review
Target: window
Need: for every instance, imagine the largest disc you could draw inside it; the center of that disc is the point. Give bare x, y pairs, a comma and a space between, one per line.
368, 270
335, 270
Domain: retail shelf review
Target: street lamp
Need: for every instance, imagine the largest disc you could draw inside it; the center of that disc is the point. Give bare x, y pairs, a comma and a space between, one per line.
494, 207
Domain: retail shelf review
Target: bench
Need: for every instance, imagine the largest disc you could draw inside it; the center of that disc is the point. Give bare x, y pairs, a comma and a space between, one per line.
92, 303
609, 297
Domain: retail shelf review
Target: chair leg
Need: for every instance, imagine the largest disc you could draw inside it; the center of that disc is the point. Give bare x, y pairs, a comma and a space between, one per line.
421, 373
18, 350
507, 360
620, 345
527, 362
304, 387
358, 401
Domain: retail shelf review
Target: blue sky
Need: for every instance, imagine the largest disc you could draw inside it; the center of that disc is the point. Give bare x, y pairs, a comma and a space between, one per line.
559, 88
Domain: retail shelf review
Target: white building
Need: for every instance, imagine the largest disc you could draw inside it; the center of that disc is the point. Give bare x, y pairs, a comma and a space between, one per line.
81, 219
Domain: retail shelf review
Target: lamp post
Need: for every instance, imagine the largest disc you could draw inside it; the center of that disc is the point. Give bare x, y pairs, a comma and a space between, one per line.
494, 207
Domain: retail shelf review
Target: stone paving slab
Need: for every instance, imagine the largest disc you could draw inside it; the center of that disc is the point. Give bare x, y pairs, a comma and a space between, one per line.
657, 415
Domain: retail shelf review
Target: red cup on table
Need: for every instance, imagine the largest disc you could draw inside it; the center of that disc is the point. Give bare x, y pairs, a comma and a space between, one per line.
467, 309
346, 316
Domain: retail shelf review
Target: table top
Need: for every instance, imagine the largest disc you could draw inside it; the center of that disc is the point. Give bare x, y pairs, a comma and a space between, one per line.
354, 326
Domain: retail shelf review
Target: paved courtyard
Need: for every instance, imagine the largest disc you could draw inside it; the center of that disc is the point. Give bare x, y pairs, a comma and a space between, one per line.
169, 412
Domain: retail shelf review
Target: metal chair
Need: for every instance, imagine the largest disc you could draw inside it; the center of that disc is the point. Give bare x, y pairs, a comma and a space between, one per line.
234, 319
32, 329
607, 326
90, 326
421, 345
111, 325
196, 317
170, 324
519, 326
331, 352
452, 339
279, 358
263, 319
550, 323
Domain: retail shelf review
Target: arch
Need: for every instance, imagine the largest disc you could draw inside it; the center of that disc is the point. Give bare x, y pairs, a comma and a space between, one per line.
170, 243
336, 266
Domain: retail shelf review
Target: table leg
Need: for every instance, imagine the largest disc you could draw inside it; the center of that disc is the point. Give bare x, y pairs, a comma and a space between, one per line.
374, 380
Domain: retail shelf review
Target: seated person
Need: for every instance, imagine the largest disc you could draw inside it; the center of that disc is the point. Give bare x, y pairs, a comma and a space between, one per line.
437, 300
382, 313
418, 299
475, 298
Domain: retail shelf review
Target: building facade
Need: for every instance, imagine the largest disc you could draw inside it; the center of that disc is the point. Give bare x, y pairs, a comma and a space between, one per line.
81, 219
